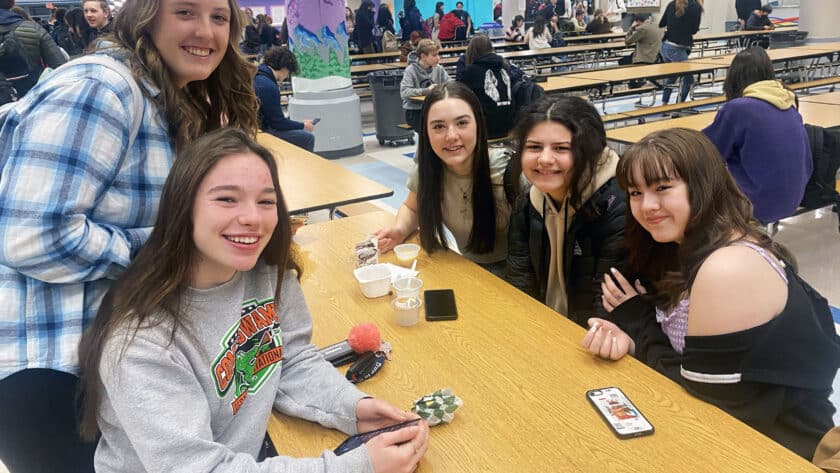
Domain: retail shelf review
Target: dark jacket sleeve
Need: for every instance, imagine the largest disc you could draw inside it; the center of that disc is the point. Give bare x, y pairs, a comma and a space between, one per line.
50, 52
520, 272
669, 10
460, 70
637, 317
271, 110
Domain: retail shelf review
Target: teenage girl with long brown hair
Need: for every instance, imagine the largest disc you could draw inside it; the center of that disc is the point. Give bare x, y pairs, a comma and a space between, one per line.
83, 158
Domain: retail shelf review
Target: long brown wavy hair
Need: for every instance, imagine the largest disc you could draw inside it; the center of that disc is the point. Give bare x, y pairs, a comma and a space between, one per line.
720, 212
150, 290
226, 98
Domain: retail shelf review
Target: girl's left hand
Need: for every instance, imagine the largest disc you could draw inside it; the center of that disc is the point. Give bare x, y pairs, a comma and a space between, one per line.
372, 414
614, 295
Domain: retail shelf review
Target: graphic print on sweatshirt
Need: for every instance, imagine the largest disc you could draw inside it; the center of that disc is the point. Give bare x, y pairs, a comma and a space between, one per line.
250, 352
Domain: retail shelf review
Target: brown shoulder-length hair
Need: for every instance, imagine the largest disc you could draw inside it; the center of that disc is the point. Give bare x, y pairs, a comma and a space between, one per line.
588, 139
226, 98
153, 284
430, 178
720, 212
480, 45
748, 67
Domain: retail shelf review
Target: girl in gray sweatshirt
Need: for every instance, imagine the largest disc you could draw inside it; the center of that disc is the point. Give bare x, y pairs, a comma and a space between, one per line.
208, 330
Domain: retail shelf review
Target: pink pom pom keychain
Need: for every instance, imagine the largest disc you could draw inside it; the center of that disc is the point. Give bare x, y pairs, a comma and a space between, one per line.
364, 338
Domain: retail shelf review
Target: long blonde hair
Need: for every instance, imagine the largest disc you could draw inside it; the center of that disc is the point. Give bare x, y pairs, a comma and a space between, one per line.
680, 6
226, 98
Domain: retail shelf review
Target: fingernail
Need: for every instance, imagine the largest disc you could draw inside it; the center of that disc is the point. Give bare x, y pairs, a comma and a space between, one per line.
594, 327
615, 340
612, 269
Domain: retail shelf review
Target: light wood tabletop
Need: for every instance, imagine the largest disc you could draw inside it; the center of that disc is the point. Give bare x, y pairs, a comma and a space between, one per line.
776, 55
825, 115
564, 83
835, 46
579, 48
521, 373
310, 182
815, 113
632, 134
831, 98
585, 38
628, 73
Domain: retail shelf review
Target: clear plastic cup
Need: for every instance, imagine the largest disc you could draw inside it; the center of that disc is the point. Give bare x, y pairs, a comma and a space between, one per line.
406, 310
408, 287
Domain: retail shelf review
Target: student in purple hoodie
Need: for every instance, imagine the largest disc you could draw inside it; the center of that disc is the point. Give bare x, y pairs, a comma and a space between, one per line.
761, 137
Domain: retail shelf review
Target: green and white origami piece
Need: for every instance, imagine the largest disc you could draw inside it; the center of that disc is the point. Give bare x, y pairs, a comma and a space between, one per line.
440, 406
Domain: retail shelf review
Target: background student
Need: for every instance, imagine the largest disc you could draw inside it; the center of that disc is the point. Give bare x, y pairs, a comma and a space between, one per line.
178, 329
567, 227
760, 135
278, 64
682, 20
714, 303
458, 183
647, 38
516, 30
421, 76
83, 159
490, 78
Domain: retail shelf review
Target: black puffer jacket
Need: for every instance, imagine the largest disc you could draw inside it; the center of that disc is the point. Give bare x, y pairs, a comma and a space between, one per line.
594, 243
37, 43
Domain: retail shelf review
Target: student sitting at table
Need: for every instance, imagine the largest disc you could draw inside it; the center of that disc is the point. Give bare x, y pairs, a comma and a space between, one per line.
647, 38
449, 25
567, 228
457, 184
715, 304
278, 64
760, 135
490, 78
409, 46
599, 23
539, 35
579, 21
421, 76
515, 32
207, 331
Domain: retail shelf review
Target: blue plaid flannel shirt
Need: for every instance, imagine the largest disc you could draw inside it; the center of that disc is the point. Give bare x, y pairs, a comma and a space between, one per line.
76, 204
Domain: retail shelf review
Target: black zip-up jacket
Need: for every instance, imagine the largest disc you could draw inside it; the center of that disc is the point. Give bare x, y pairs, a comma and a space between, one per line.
593, 244
776, 377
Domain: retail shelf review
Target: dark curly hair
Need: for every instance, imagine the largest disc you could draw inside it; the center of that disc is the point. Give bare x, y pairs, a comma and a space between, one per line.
279, 57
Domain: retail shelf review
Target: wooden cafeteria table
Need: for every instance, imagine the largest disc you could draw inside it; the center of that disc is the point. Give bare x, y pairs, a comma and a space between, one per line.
831, 98
563, 83
826, 115
649, 71
310, 182
521, 372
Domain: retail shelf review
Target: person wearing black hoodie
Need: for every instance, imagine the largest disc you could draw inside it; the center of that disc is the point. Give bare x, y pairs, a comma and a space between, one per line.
488, 76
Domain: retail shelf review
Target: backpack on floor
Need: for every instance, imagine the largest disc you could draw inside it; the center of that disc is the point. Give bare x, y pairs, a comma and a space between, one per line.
825, 152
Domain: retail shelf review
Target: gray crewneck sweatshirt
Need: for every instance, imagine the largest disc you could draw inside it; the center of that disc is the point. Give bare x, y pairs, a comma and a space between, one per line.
202, 402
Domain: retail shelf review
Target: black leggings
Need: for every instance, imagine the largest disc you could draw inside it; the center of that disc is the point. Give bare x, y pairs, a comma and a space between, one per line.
38, 427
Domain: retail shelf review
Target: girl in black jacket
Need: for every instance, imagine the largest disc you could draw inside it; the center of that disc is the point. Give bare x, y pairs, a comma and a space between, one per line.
488, 76
715, 304
567, 228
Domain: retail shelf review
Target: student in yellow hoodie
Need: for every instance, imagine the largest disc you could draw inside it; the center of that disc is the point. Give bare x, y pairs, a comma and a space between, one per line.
761, 137
567, 228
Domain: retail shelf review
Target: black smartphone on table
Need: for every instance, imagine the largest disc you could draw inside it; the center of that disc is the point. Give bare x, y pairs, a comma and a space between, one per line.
440, 304
625, 420
355, 441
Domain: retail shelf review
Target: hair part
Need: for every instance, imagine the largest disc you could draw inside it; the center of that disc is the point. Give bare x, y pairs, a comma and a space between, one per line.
226, 97
589, 139
720, 213
150, 291
482, 237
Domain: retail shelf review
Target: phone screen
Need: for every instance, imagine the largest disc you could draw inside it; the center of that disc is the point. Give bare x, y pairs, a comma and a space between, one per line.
624, 418
440, 304
355, 441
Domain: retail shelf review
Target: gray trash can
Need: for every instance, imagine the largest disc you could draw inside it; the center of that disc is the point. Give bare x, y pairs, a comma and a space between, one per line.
387, 106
